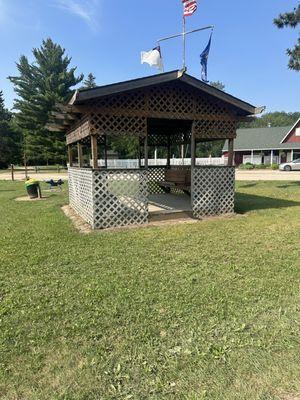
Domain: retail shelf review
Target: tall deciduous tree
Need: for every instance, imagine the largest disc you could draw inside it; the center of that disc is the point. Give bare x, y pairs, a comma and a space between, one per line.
89, 82
277, 118
217, 84
40, 85
10, 137
291, 19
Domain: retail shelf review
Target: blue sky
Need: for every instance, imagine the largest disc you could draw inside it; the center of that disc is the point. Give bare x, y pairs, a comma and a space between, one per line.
106, 37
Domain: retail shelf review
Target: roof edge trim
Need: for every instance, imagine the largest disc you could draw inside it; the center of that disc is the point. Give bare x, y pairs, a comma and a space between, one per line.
294, 126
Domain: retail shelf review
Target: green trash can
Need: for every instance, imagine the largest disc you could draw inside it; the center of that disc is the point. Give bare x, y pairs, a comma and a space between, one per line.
33, 188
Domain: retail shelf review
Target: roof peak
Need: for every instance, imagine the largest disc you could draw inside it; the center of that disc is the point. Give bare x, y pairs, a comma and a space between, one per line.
84, 95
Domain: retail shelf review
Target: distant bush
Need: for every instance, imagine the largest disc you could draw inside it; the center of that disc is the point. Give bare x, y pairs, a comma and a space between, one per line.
261, 166
246, 166
274, 166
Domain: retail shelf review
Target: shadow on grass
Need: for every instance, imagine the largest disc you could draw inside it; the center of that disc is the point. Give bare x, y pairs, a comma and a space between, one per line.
248, 185
296, 183
250, 202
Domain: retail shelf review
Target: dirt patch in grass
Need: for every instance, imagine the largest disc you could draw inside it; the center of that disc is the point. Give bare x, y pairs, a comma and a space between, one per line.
26, 198
163, 220
78, 222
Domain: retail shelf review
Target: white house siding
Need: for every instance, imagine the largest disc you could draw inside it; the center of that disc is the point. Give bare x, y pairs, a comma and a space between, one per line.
256, 160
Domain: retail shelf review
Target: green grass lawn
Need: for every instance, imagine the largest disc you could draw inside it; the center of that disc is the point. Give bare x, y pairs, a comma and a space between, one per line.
202, 311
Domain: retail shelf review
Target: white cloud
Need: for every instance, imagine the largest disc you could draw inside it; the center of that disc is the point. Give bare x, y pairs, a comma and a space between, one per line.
84, 9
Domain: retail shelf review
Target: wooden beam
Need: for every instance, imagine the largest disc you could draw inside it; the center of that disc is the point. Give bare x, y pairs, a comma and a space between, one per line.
139, 153
105, 151
64, 116
56, 128
80, 155
71, 109
70, 155
169, 151
230, 152
146, 151
193, 146
94, 147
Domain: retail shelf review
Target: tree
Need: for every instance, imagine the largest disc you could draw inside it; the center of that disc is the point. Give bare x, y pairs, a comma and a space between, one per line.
277, 118
126, 147
39, 86
10, 137
90, 82
217, 84
291, 19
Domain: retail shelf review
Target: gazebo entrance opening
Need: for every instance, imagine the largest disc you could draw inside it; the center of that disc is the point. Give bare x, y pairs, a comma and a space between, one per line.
169, 185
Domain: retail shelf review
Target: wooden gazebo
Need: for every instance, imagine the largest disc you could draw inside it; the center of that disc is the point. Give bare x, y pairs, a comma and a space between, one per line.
161, 110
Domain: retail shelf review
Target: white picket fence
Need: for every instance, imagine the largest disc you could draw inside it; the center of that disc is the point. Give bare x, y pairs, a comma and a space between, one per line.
134, 163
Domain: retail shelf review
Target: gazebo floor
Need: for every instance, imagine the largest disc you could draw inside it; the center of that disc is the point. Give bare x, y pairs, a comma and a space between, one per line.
161, 204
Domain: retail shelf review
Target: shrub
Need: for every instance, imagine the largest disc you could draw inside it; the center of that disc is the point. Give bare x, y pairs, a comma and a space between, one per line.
274, 166
246, 166
260, 166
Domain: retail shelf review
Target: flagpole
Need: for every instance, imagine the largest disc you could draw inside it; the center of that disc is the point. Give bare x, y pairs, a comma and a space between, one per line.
184, 43
186, 33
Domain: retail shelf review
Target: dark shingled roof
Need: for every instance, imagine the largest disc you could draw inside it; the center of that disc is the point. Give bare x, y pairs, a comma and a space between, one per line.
243, 108
262, 139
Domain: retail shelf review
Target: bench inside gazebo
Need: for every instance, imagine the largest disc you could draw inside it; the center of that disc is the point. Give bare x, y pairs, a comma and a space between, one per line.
164, 110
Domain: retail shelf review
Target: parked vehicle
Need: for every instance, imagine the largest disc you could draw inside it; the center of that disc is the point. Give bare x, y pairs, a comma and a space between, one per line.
290, 166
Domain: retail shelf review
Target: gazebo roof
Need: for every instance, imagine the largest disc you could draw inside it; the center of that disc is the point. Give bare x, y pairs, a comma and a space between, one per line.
85, 95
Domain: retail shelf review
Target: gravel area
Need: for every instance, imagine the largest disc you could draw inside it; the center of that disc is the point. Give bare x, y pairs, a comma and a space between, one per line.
267, 175
41, 176
241, 175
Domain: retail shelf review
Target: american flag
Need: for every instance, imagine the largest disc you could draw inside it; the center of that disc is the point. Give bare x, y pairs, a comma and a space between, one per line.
189, 7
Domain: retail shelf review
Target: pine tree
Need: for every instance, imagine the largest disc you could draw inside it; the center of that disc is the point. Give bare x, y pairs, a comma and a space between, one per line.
10, 137
291, 19
5, 115
39, 86
90, 82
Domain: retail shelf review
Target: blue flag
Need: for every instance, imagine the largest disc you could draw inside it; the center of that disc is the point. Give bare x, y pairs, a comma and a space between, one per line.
204, 58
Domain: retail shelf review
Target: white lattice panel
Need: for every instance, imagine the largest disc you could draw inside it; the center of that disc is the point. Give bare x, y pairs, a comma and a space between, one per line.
120, 198
212, 191
81, 193
155, 175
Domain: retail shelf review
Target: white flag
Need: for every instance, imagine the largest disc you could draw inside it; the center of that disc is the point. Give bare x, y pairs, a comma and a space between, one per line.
153, 58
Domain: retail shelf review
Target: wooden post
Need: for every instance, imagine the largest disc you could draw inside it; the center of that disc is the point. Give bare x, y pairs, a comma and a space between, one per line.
169, 152
193, 148
139, 153
25, 165
105, 151
70, 156
94, 148
80, 155
146, 151
12, 172
230, 152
